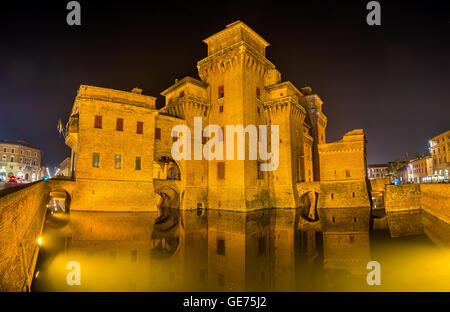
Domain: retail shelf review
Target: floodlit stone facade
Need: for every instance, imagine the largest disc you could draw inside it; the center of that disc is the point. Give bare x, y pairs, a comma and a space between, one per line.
19, 159
440, 152
122, 144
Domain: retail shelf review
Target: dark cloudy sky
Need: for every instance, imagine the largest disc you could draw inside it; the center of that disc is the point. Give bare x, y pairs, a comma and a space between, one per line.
391, 80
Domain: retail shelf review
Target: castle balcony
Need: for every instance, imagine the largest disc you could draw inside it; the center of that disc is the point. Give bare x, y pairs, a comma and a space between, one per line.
187, 105
287, 103
72, 130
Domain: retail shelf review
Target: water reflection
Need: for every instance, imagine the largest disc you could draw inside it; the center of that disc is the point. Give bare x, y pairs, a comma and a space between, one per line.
209, 250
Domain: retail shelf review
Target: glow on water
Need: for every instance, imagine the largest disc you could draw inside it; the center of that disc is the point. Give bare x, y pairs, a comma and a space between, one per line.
227, 251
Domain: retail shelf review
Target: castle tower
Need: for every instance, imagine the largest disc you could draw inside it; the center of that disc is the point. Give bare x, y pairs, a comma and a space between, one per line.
235, 70
313, 105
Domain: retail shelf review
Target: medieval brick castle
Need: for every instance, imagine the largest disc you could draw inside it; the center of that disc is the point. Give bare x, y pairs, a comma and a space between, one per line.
121, 144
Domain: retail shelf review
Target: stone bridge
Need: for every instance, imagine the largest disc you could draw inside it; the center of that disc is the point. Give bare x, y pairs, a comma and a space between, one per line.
22, 216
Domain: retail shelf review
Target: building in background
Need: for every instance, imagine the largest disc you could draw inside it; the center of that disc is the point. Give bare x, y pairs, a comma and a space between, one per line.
64, 168
20, 159
378, 171
439, 150
420, 168
405, 175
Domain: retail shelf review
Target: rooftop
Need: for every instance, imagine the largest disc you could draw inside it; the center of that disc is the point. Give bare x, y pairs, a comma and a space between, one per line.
18, 142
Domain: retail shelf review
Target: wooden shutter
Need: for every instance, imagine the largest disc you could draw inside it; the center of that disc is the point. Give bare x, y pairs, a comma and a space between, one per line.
221, 170
98, 122
140, 127
158, 133
221, 91
119, 124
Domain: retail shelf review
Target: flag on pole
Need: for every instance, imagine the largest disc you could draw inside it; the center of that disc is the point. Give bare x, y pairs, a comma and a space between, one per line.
59, 127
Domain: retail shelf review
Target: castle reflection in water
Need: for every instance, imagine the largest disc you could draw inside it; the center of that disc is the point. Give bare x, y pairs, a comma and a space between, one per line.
210, 250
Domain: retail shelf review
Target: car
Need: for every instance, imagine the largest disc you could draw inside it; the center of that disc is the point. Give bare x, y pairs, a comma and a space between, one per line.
12, 180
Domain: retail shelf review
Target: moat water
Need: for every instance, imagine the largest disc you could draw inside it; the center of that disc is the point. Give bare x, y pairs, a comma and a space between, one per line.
208, 250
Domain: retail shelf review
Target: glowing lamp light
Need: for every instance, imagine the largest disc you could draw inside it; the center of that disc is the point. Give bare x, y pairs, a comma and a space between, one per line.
39, 240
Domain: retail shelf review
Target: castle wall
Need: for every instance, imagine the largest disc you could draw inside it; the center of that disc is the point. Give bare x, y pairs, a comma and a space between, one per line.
414, 208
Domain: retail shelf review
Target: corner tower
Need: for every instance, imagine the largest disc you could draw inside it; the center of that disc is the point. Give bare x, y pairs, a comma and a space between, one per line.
235, 71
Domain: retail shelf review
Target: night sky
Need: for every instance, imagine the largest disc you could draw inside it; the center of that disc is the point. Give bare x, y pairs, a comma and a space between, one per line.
392, 80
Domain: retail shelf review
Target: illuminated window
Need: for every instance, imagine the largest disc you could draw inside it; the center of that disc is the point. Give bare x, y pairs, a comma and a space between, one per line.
117, 161
96, 160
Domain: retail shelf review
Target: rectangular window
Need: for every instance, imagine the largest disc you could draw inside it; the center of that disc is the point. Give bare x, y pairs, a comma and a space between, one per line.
347, 173
174, 136
260, 172
140, 127
258, 93
221, 109
117, 161
221, 170
221, 92
158, 133
220, 280
181, 94
170, 100
262, 245
119, 124
202, 275
4, 150
12, 159
96, 160
98, 122
138, 163
221, 247
133, 255
12, 151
